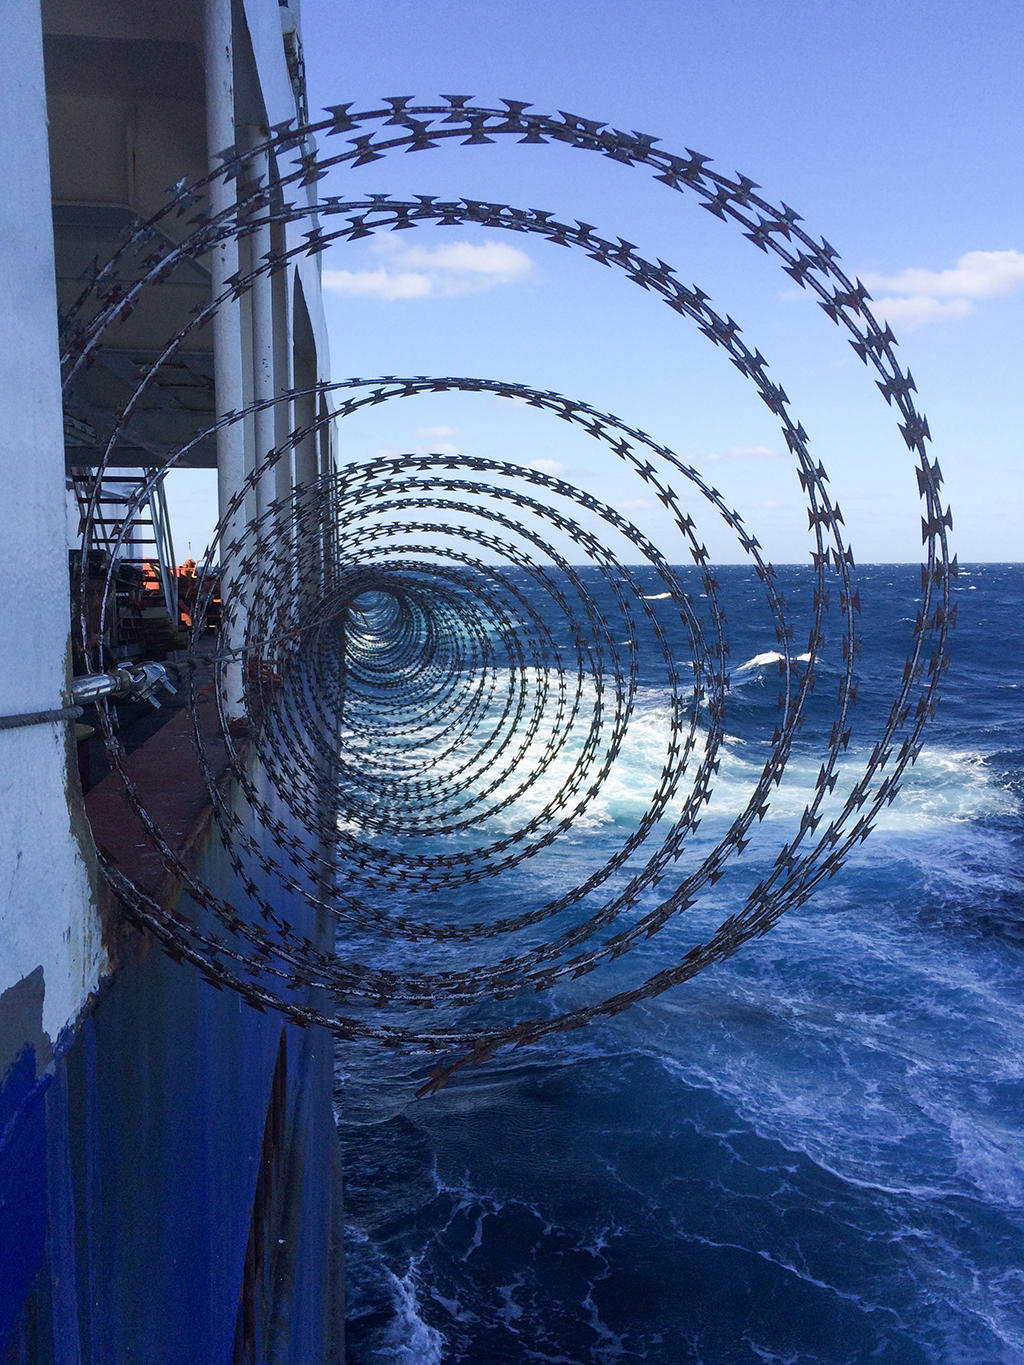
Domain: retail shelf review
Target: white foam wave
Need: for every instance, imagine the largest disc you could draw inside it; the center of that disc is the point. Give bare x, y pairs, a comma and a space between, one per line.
511, 1311
771, 656
988, 1157
409, 1337
945, 785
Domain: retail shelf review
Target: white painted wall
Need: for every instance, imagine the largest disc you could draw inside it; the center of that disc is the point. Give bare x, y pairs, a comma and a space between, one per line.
47, 917
47, 912
264, 24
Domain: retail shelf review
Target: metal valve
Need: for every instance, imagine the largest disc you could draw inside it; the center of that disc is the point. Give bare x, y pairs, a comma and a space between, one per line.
130, 682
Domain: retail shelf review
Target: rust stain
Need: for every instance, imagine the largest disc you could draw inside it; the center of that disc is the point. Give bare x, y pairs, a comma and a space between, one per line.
167, 772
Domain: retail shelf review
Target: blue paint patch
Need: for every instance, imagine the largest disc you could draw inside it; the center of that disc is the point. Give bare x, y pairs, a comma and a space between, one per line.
22, 1185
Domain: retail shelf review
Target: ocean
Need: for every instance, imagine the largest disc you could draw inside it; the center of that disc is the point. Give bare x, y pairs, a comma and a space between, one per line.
812, 1153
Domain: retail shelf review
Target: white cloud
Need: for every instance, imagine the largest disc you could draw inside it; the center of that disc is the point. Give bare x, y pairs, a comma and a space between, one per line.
918, 310
419, 272
915, 297
496, 261
976, 275
435, 433
378, 284
428, 448
552, 467
751, 453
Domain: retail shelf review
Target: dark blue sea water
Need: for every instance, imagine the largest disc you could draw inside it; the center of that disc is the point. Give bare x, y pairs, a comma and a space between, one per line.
812, 1153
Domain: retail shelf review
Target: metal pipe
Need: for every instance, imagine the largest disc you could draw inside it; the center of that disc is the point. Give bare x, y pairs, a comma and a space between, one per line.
218, 41
262, 295
132, 682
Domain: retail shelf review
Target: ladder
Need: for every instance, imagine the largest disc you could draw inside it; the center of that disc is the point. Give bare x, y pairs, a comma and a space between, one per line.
143, 542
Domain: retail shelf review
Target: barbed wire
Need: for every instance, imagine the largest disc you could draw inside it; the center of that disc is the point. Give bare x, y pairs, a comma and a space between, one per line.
440, 653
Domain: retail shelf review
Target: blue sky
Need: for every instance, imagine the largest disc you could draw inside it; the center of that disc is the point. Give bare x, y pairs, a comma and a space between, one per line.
894, 129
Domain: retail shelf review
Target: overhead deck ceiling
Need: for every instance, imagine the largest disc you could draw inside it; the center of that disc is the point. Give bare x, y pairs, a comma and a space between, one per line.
126, 104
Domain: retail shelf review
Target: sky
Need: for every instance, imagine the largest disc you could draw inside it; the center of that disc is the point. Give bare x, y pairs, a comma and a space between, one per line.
893, 128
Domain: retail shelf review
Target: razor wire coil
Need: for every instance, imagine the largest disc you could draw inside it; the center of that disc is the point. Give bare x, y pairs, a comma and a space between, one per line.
435, 660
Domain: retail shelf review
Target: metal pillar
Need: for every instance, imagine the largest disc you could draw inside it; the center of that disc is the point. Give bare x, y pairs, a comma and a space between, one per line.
218, 42
263, 349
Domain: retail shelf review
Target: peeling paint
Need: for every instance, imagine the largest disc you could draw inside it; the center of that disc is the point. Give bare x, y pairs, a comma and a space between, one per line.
21, 1022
